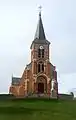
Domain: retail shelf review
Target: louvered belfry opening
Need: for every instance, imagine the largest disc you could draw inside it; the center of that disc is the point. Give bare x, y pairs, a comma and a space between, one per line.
41, 53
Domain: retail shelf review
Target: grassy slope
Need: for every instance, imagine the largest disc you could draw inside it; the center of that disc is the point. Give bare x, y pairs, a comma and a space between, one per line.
37, 110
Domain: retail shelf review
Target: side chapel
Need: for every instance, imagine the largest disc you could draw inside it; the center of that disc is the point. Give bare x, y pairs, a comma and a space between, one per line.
40, 75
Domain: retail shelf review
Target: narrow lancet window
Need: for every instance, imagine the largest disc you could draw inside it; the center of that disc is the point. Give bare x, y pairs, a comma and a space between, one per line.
38, 68
41, 53
42, 67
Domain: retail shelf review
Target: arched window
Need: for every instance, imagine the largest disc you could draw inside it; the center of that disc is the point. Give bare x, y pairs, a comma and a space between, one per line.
40, 67
41, 53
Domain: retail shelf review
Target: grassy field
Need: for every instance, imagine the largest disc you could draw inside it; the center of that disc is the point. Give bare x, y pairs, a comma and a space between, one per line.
37, 110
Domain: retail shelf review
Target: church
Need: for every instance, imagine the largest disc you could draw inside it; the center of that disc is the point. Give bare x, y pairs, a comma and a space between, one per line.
39, 76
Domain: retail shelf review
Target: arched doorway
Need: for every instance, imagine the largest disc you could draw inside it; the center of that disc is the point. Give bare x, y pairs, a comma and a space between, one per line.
41, 84
40, 87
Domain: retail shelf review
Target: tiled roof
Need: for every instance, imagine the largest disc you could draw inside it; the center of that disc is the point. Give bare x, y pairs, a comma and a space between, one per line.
40, 37
15, 81
28, 66
40, 34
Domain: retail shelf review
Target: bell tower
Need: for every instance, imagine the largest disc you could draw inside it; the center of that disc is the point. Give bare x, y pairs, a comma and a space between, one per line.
39, 49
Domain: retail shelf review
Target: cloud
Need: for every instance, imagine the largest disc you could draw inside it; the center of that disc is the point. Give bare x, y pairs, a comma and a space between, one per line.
67, 83
17, 28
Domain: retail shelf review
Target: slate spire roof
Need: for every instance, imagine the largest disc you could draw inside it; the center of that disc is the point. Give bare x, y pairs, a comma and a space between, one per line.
40, 37
40, 34
15, 80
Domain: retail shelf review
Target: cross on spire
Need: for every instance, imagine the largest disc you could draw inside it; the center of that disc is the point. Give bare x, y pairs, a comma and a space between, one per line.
40, 7
40, 34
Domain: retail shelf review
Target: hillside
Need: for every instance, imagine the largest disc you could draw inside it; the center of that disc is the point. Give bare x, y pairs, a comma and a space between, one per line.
37, 110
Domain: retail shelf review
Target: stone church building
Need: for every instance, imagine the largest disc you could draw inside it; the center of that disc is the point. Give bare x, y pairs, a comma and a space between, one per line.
40, 75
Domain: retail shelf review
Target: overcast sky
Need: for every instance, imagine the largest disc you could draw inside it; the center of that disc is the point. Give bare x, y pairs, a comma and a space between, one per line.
18, 22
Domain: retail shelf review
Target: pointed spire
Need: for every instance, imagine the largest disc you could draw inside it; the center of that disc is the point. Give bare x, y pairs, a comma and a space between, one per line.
40, 34
40, 37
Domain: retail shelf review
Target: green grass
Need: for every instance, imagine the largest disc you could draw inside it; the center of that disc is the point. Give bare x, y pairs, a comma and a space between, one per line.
37, 110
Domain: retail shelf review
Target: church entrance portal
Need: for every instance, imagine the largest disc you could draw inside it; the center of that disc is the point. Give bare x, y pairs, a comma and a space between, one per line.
41, 84
40, 87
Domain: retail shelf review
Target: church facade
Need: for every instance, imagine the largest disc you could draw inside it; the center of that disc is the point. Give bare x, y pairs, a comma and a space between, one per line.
40, 75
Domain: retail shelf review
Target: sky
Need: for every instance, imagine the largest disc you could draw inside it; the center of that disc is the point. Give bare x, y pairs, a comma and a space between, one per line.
18, 22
